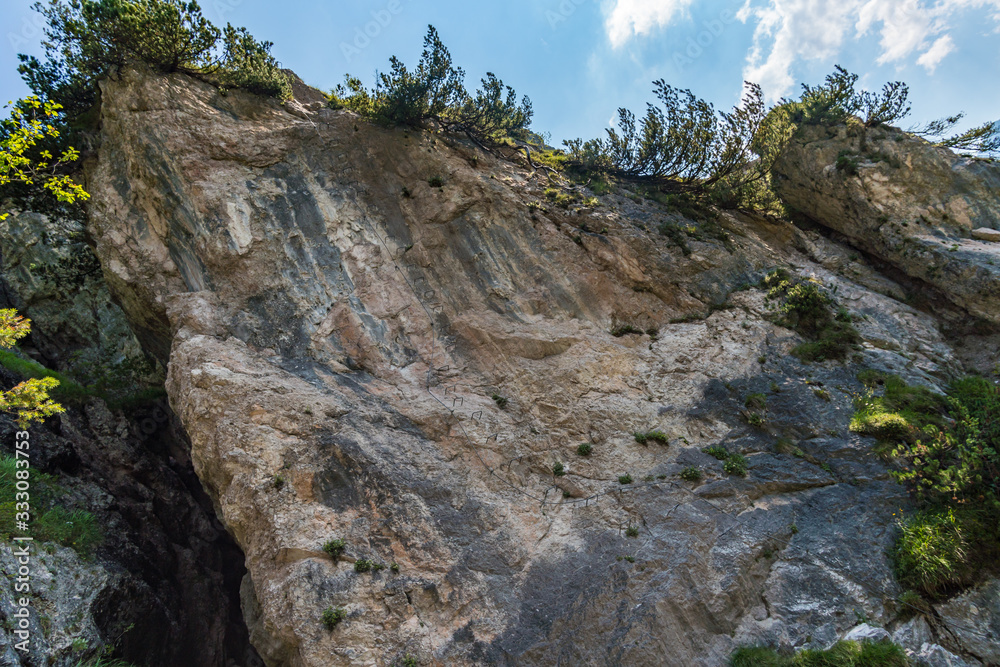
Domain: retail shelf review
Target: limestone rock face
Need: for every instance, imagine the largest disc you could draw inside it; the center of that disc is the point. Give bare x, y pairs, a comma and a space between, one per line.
923, 209
358, 355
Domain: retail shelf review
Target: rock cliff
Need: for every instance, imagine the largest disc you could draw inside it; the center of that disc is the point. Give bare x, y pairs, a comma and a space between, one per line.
921, 208
390, 338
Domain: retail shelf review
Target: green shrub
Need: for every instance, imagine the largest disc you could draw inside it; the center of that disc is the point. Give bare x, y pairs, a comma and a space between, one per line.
871, 378
736, 464
651, 436
756, 402
632, 531
248, 64
841, 654
691, 474
335, 548
683, 145
948, 448
837, 100
718, 451
807, 310
625, 479
621, 330
558, 469
932, 551
50, 522
332, 617
757, 420
435, 182
847, 163
435, 93
87, 41
500, 401
585, 449
367, 565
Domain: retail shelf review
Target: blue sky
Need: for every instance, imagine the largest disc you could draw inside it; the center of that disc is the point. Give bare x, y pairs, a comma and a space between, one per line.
579, 60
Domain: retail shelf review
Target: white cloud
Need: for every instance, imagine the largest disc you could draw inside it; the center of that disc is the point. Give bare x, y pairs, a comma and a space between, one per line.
787, 31
632, 18
938, 51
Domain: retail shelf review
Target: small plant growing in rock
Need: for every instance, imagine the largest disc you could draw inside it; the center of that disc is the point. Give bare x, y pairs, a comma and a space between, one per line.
625, 479
406, 192
757, 420
410, 661
558, 469
630, 559
395, 568
736, 464
632, 531
500, 401
756, 402
333, 616
335, 548
691, 474
622, 330
435, 182
585, 449
654, 436
718, 451
367, 565
822, 394
278, 483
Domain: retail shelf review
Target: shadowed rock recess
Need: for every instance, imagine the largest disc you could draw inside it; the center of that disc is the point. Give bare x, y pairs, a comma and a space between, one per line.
355, 354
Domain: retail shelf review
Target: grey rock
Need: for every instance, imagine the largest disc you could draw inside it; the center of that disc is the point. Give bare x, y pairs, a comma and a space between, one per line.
973, 619
986, 234
933, 655
866, 633
911, 204
913, 634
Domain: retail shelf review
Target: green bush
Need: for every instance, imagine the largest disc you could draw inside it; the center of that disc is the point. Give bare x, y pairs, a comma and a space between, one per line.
585, 449
625, 479
841, 654
50, 522
809, 311
837, 100
691, 474
736, 464
434, 93
718, 451
847, 163
558, 469
332, 617
756, 402
651, 436
367, 565
89, 40
683, 145
335, 548
932, 551
248, 64
948, 453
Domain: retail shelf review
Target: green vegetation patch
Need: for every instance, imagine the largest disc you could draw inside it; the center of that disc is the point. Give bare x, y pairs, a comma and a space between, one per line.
947, 449
841, 654
50, 521
806, 308
651, 436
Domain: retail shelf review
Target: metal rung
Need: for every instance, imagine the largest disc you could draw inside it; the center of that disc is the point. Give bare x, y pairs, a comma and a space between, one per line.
477, 415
